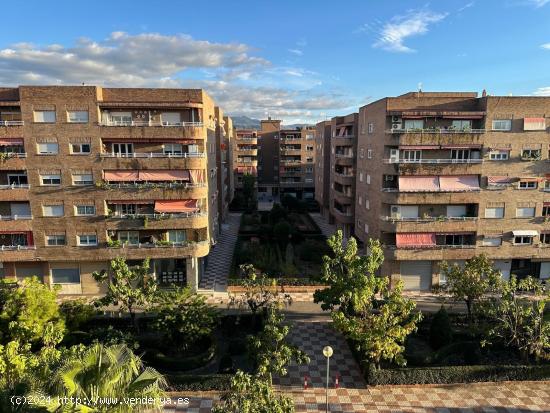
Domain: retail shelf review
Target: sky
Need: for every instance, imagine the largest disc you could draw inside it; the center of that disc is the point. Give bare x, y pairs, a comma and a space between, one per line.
297, 60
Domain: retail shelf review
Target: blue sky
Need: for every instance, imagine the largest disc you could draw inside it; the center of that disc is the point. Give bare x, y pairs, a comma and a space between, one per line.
297, 60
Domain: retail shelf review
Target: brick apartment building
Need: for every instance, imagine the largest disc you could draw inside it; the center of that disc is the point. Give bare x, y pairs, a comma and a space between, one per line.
282, 159
323, 132
90, 173
446, 176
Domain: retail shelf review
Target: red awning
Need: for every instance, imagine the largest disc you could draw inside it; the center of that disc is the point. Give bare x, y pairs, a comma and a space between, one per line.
415, 239
466, 146
530, 179
129, 202
164, 175
10, 141
121, 176
418, 184
186, 205
462, 116
546, 204
459, 183
418, 147
500, 180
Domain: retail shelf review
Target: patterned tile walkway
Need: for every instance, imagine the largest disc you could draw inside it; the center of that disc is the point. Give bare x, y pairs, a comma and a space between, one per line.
220, 257
326, 228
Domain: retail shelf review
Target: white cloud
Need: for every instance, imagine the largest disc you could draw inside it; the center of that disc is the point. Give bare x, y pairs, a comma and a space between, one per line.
393, 34
539, 3
545, 46
542, 91
297, 52
239, 80
467, 6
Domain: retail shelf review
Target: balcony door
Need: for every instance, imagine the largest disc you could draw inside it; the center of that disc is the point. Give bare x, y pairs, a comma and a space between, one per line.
17, 179
128, 237
412, 156
458, 155
123, 150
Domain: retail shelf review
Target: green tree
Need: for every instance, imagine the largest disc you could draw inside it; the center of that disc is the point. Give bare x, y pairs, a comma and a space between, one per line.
249, 192
282, 231
374, 316
76, 313
350, 278
270, 350
518, 320
113, 372
472, 283
260, 292
251, 394
127, 287
30, 313
184, 317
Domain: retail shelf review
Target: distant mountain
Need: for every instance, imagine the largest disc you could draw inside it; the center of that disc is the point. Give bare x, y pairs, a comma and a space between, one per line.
244, 122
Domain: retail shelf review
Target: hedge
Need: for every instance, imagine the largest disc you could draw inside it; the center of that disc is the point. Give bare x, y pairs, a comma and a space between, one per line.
457, 374
289, 282
188, 382
164, 362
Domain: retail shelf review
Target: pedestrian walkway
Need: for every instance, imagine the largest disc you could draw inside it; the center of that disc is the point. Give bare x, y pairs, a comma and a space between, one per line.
326, 228
220, 257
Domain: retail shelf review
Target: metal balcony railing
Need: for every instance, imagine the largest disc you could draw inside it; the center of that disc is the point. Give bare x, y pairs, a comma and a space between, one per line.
142, 123
437, 130
427, 219
11, 123
153, 155
15, 186
17, 247
15, 217
433, 161
8, 155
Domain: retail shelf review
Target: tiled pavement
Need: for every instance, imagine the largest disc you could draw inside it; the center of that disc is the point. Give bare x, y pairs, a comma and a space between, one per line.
220, 257
326, 228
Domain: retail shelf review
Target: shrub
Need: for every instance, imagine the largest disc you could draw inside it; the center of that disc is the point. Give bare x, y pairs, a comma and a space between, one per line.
77, 312
193, 382
164, 362
456, 374
226, 365
441, 333
111, 336
237, 346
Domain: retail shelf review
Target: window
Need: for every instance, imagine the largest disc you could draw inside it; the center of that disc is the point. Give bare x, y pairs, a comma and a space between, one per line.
360, 200
128, 237
368, 179
309, 169
530, 154
53, 210
527, 185
173, 149
308, 180
367, 204
371, 129
489, 241
454, 239
369, 153
48, 148
366, 228
525, 212
54, 179
123, 149
55, 240
171, 118
546, 210
83, 179
545, 238
414, 124
361, 153
82, 210
18, 179
500, 155
523, 240
80, 148
66, 275
309, 136
77, 116
461, 124
309, 148
460, 154
120, 118
494, 212
126, 209
44, 116
86, 240
412, 156
176, 236
502, 124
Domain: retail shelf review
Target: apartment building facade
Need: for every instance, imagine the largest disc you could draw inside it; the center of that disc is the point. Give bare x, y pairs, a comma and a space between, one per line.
245, 156
452, 175
342, 176
88, 174
323, 132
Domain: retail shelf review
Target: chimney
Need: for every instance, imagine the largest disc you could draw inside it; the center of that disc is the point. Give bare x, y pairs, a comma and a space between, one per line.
484, 93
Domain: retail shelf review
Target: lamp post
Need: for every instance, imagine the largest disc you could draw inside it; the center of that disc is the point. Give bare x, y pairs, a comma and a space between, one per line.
327, 352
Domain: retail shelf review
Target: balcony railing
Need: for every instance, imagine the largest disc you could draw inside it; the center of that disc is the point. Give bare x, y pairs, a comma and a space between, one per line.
344, 175
437, 130
434, 161
343, 155
160, 216
432, 247
345, 137
15, 186
153, 155
11, 123
17, 247
427, 219
150, 185
15, 217
291, 161
431, 192
158, 244
143, 123
8, 155
346, 214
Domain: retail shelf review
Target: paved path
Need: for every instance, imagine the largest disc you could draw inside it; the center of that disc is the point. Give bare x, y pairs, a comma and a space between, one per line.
326, 228
220, 257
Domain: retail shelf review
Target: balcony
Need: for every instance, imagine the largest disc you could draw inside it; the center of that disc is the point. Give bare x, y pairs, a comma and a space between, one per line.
433, 161
428, 224
248, 139
291, 151
8, 123
150, 123
149, 185
153, 155
344, 155
436, 130
161, 131
247, 151
155, 160
344, 179
157, 221
15, 217
291, 161
345, 217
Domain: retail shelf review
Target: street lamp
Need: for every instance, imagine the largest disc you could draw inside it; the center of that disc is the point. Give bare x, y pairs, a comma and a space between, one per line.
327, 352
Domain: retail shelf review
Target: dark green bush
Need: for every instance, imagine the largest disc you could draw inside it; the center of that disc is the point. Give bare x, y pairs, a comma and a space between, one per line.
441, 333
192, 382
456, 374
237, 346
226, 365
76, 313
290, 282
162, 361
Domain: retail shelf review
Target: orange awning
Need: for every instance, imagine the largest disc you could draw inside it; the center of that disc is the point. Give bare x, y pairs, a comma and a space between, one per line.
121, 176
164, 175
10, 141
186, 205
418, 184
415, 239
459, 183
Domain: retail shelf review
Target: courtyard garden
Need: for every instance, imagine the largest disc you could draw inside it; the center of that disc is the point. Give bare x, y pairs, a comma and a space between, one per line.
282, 243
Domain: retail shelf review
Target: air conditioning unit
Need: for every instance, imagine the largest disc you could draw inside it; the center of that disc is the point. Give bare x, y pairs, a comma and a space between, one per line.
395, 119
395, 211
396, 126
